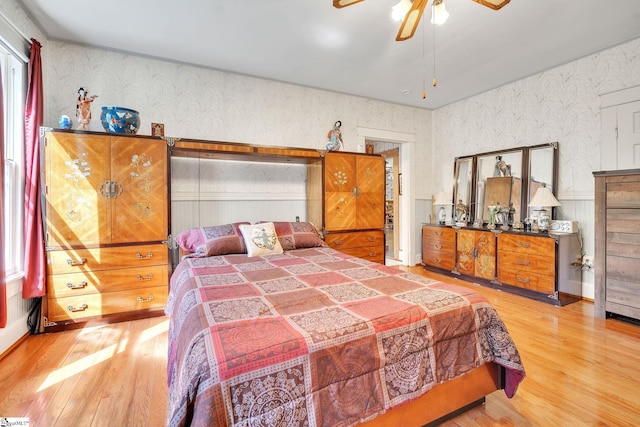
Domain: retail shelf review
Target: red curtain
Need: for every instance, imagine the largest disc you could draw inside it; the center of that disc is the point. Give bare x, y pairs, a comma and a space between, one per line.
34, 257
3, 279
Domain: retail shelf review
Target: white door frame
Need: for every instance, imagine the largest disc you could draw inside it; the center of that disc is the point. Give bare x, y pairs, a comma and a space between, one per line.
407, 199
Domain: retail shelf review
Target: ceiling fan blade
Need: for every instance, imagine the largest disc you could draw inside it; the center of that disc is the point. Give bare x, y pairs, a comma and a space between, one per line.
342, 3
493, 4
411, 20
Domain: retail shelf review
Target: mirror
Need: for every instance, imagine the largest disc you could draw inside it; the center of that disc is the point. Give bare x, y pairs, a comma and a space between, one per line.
509, 178
543, 166
499, 183
462, 189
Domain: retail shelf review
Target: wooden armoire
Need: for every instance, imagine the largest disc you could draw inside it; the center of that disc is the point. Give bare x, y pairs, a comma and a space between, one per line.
354, 203
106, 226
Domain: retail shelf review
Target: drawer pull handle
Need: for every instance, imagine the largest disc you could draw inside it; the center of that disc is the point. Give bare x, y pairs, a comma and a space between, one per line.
437, 246
372, 238
524, 261
438, 260
147, 299
147, 277
81, 307
80, 285
372, 254
520, 279
524, 245
338, 242
438, 233
79, 262
147, 256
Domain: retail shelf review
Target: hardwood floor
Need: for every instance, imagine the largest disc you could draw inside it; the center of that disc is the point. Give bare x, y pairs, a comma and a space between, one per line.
581, 371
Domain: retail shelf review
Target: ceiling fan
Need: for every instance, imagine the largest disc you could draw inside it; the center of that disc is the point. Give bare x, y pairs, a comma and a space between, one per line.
413, 16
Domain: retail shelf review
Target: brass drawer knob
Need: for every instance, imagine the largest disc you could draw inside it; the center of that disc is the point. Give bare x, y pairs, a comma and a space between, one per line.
147, 277
147, 256
147, 299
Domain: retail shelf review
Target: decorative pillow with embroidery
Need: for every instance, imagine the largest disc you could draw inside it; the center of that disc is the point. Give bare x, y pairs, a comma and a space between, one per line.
215, 240
297, 235
261, 239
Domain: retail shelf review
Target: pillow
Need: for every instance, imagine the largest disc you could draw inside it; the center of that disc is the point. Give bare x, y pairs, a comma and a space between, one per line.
297, 235
214, 240
261, 239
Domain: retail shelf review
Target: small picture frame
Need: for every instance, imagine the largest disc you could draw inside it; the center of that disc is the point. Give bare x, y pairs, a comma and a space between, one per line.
157, 129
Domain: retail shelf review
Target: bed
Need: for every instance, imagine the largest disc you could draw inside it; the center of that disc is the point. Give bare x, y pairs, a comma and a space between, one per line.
309, 336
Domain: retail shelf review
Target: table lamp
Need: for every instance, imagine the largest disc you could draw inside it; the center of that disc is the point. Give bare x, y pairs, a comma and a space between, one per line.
543, 199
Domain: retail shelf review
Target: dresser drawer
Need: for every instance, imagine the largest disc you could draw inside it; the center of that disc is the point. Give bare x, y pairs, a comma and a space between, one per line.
76, 260
445, 260
527, 279
442, 236
371, 253
356, 239
83, 283
543, 246
545, 266
93, 305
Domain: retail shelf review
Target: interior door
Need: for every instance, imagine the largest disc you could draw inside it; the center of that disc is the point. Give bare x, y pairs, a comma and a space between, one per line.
628, 116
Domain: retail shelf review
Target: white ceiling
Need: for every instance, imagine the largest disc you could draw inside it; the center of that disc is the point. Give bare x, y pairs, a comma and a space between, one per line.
350, 50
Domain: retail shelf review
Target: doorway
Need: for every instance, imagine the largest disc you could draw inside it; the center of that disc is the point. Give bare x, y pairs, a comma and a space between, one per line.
391, 153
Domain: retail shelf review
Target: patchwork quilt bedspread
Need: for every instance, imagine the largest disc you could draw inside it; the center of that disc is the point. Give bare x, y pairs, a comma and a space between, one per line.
314, 337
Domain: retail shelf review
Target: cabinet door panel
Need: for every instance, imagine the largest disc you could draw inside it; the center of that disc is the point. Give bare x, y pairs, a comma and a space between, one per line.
465, 250
340, 211
339, 182
76, 168
370, 191
486, 255
139, 167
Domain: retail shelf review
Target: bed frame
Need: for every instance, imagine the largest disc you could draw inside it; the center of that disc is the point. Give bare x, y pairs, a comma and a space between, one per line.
445, 400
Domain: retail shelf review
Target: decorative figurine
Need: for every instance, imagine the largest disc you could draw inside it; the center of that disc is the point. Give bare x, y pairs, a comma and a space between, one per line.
461, 211
501, 168
335, 138
83, 108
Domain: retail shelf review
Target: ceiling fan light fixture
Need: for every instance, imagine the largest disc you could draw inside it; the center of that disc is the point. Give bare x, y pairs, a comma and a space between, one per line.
399, 11
439, 14
493, 4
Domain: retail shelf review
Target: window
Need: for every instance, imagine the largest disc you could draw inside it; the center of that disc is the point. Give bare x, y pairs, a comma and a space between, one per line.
13, 83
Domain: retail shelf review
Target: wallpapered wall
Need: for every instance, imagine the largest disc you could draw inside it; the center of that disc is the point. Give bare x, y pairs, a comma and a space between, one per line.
561, 104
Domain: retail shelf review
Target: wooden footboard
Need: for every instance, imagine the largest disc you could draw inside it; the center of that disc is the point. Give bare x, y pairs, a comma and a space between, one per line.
444, 399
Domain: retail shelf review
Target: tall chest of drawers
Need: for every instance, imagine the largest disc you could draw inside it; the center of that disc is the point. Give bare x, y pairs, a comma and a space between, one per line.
617, 243
106, 226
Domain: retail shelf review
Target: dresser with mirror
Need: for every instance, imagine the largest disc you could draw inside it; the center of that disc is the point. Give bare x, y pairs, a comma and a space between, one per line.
487, 239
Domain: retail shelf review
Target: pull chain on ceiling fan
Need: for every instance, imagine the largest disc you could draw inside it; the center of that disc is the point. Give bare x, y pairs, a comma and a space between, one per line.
412, 17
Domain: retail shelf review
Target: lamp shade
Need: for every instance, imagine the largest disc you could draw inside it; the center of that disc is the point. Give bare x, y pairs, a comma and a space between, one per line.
439, 14
544, 198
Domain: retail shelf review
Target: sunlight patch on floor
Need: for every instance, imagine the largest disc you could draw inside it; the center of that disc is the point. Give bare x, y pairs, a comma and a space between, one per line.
154, 331
79, 366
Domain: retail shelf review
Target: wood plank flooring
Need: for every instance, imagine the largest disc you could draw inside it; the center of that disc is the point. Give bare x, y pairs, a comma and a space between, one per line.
581, 371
